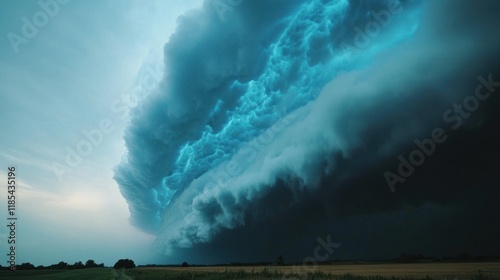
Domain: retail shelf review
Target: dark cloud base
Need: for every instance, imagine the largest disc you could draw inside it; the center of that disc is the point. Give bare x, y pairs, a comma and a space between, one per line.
448, 207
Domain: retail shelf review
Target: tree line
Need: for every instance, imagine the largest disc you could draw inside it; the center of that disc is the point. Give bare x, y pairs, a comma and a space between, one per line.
122, 263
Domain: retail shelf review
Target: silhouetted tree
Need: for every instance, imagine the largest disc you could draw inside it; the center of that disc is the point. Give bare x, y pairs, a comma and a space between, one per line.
185, 264
60, 265
90, 264
77, 265
125, 263
25, 266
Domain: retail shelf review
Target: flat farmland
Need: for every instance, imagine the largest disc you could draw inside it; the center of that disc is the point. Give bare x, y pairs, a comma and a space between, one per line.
427, 271
417, 270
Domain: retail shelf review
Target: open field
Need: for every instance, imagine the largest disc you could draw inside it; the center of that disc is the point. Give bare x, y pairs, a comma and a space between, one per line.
77, 274
449, 271
434, 270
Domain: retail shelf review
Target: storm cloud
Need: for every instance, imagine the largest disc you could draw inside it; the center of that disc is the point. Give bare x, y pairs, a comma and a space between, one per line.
277, 123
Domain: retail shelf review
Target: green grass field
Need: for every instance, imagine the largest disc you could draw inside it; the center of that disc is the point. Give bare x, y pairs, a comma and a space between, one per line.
449, 271
78, 274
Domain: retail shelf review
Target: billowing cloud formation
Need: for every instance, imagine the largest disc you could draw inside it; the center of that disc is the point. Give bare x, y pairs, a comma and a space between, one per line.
284, 103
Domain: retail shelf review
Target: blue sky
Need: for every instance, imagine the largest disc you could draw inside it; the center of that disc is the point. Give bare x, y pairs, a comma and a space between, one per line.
78, 70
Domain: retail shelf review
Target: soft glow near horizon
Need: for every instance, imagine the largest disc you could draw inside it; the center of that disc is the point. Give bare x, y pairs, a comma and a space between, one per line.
62, 81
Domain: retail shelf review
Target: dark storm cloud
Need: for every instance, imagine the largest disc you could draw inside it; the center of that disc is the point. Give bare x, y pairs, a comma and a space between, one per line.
259, 184
204, 56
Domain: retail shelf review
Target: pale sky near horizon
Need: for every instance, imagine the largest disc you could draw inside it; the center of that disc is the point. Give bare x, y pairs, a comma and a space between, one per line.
76, 71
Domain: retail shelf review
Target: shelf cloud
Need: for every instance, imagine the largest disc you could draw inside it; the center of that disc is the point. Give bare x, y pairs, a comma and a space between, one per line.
280, 121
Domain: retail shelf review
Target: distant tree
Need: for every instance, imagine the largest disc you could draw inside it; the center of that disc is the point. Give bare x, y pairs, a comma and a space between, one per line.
25, 266
185, 264
77, 265
124, 263
100, 265
60, 265
90, 264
